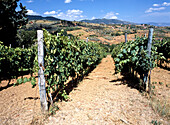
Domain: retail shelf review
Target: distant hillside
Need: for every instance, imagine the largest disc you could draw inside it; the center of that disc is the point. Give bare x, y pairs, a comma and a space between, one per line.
159, 24
107, 21
35, 17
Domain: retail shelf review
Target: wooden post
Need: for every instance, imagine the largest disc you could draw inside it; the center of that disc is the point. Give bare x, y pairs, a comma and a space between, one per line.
41, 78
10, 45
150, 41
87, 39
145, 34
125, 37
23, 46
145, 80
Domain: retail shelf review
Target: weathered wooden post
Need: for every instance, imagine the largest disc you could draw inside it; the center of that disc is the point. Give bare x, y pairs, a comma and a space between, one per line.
150, 41
87, 39
23, 46
126, 37
41, 78
149, 53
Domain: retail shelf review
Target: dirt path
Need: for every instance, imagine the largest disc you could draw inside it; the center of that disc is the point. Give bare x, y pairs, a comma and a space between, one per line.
100, 99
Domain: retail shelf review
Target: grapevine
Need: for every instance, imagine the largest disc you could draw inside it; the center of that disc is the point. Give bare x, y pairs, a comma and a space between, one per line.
68, 57
133, 56
13, 61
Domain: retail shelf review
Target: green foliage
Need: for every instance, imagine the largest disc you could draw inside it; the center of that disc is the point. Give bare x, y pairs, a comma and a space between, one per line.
53, 109
94, 39
112, 46
155, 122
26, 37
64, 57
11, 20
134, 55
21, 80
161, 83
67, 57
108, 37
163, 46
12, 60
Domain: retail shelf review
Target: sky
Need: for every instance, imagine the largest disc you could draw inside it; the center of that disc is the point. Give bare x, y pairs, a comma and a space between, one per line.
137, 11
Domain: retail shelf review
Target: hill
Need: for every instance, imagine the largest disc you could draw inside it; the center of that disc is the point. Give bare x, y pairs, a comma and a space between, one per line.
158, 24
37, 17
107, 21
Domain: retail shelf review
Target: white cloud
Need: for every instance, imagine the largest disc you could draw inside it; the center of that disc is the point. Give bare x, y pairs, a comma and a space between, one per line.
154, 9
111, 15
31, 12
158, 14
93, 18
74, 12
70, 15
61, 14
29, 1
159, 7
156, 5
67, 1
166, 4
50, 13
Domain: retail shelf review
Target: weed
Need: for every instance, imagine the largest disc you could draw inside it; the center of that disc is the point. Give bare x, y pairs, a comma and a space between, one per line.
159, 106
161, 83
155, 122
154, 82
53, 109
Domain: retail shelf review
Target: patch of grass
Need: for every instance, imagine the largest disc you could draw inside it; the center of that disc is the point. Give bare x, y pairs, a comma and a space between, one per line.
39, 119
93, 35
161, 83
155, 122
94, 39
53, 109
108, 37
159, 105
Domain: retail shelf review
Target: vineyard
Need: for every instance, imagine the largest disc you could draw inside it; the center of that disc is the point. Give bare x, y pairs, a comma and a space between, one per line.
16, 61
68, 59
84, 62
133, 58
64, 57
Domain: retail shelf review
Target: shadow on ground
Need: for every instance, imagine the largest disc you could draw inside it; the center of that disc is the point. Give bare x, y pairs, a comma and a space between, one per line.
71, 85
7, 77
129, 80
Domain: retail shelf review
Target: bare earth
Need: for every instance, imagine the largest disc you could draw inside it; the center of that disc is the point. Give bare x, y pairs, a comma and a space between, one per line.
100, 99
18, 105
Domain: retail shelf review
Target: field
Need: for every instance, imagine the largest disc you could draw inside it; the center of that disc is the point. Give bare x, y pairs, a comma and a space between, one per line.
112, 34
88, 89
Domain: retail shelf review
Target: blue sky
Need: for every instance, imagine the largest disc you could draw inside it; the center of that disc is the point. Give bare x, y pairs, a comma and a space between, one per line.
138, 11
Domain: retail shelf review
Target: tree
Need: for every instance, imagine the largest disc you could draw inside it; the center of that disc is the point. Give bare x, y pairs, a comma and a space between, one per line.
11, 20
